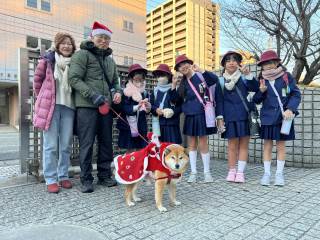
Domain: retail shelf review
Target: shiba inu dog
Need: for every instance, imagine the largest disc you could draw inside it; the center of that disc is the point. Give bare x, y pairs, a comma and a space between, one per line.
167, 163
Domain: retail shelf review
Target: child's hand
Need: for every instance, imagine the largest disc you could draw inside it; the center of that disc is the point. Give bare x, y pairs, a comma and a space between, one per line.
263, 86
288, 114
159, 112
245, 70
196, 68
147, 106
220, 125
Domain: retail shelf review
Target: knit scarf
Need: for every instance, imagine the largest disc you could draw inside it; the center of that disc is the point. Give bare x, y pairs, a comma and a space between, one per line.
132, 91
231, 80
61, 69
272, 74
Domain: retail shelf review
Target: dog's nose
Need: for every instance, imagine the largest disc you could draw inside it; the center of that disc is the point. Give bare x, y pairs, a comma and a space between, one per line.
177, 166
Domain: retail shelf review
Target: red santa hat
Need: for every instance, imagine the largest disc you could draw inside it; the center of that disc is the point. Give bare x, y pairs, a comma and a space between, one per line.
98, 28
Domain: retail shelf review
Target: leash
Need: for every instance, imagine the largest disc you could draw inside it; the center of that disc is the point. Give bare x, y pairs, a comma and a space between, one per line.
169, 177
121, 118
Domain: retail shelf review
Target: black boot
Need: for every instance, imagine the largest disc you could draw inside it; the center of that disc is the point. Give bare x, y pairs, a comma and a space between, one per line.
87, 187
108, 182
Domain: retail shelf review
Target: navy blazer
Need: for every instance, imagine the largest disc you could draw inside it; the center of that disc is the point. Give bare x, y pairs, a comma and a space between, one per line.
191, 104
176, 107
270, 113
127, 104
229, 104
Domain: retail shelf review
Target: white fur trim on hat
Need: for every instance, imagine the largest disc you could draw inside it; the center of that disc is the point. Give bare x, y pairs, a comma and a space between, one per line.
100, 31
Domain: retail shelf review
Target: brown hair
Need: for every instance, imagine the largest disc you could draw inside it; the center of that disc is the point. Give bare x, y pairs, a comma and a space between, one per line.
58, 39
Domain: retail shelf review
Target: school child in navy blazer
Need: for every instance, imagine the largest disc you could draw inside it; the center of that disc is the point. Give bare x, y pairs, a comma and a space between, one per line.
135, 106
280, 98
166, 114
195, 127
232, 116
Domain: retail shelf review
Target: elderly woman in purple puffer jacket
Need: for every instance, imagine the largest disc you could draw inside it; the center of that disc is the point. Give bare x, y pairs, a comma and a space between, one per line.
54, 111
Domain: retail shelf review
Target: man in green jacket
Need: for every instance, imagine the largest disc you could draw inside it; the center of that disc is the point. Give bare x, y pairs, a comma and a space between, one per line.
94, 78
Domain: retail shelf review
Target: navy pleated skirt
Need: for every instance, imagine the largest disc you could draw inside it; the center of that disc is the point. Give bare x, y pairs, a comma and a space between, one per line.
127, 142
272, 132
195, 126
236, 129
170, 133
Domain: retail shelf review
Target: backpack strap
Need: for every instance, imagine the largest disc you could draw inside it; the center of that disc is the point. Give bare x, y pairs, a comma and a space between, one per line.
204, 82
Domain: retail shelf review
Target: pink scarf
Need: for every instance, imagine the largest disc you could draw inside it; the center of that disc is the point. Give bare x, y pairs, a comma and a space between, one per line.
132, 91
272, 74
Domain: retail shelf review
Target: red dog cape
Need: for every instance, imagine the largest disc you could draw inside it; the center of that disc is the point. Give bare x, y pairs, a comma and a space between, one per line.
133, 167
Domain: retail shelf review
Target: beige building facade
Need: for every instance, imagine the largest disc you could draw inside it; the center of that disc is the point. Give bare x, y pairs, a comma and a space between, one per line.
32, 23
188, 27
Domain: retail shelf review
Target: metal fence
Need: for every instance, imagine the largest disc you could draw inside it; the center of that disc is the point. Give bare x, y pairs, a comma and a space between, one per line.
31, 137
303, 152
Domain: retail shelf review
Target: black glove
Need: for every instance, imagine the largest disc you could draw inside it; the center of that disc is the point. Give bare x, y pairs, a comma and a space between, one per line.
98, 99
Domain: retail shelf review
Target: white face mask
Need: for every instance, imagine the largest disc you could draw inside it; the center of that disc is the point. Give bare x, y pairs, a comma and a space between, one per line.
163, 80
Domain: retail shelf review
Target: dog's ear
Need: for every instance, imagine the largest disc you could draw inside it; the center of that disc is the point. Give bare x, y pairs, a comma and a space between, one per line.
166, 151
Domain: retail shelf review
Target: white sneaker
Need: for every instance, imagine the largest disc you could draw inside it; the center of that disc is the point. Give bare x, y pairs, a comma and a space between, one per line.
192, 178
279, 179
208, 178
265, 180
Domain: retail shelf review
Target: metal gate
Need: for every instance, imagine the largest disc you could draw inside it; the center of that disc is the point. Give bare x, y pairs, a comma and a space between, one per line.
31, 137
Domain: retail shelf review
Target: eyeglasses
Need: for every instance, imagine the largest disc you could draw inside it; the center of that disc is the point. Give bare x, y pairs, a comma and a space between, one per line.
103, 37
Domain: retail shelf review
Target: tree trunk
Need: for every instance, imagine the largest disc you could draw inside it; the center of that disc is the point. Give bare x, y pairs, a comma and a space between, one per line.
298, 69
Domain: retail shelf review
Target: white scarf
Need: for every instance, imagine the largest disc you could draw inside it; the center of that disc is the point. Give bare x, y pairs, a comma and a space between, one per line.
61, 69
231, 80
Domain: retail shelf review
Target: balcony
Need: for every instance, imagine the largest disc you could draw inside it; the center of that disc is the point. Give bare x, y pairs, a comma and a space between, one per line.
181, 18
181, 28
169, 40
180, 3
180, 44
180, 12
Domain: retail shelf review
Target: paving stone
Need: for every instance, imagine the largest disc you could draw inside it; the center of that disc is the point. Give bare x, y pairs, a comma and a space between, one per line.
219, 210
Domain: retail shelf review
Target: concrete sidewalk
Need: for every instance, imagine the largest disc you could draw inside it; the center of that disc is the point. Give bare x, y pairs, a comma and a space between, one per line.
219, 210
10, 136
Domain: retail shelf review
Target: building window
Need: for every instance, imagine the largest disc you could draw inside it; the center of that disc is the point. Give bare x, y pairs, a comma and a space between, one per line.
46, 43
86, 32
32, 3
127, 61
43, 5
127, 26
46, 5
32, 42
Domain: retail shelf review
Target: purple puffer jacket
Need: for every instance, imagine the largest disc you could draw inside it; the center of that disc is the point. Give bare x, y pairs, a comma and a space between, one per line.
45, 92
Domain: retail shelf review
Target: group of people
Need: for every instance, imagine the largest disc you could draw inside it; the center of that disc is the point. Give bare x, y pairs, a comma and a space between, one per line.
80, 90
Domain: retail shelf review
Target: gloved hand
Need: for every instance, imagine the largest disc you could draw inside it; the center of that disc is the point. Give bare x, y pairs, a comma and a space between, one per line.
168, 112
98, 99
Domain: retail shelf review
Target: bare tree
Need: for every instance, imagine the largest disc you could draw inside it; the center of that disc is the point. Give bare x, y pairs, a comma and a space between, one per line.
294, 24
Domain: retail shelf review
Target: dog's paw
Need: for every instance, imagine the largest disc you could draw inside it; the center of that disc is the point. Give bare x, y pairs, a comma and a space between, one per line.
137, 199
162, 209
130, 204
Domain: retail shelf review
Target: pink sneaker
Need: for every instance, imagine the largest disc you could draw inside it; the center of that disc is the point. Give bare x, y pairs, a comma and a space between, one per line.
239, 177
231, 175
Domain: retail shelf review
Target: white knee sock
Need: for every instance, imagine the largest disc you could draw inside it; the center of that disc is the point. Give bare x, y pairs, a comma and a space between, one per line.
241, 166
280, 166
206, 162
193, 161
267, 166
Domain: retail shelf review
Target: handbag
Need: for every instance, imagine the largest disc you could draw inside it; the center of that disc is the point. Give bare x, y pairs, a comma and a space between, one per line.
286, 123
253, 116
207, 105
